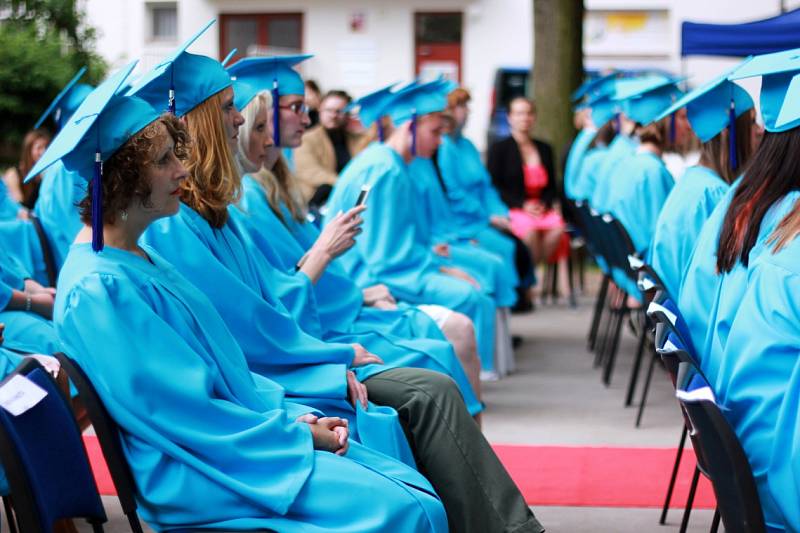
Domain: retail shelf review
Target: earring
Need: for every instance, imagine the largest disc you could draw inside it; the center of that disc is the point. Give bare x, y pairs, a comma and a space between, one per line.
124, 215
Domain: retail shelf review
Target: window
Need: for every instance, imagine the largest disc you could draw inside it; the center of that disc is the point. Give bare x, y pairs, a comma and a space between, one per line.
163, 21
261, 34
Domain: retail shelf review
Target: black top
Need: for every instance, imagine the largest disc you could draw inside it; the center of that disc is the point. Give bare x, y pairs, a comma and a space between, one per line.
339, 141
505, 165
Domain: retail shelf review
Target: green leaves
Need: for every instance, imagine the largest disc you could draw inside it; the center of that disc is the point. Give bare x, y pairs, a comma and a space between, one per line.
42, 44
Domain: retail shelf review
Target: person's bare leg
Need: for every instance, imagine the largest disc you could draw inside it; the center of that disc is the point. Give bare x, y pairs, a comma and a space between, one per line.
460, 331
551, 239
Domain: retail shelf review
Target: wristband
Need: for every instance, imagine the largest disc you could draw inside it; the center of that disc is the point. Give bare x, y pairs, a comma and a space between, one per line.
27, 302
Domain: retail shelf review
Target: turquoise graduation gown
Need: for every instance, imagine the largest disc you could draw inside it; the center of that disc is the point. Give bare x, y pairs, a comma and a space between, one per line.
277, 344
620, 148
640, 190
57, 209
575, 157
686, 209
223, 449
388, 250
583, 188
437, 225
19, 238
403, 338
25, 332
706, 304
9, 208
758, 381
472, 200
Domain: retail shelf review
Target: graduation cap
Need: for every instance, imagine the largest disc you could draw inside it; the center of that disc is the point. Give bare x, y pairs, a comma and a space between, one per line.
644, 99
102, 123
274, 73
67, 101
712, 107
371, 107
603, 109
415, 101
790, 110
596, 87
197, 76
778, 69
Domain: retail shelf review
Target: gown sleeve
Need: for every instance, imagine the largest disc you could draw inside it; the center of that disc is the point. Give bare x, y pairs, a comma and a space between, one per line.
179, 403
761, 389
272, 341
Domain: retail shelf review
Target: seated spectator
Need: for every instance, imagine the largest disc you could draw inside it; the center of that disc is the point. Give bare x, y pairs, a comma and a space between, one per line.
326, 149
523, 172
17, 197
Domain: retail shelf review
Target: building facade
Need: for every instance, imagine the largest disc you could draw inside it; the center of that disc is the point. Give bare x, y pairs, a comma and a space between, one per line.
360, 45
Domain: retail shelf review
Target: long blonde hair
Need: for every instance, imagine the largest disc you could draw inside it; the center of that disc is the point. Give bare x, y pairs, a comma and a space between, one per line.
279, 184
214, 181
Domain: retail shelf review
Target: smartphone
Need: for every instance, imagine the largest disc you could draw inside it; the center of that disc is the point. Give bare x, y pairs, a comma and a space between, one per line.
362, 196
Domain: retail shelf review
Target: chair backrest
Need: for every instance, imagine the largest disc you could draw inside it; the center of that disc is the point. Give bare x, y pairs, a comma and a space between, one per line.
44, 458
109, 438
721, 457
664, 310
620, 245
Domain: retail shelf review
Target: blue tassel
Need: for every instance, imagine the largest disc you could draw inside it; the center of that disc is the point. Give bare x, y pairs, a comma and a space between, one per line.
276, 113
617, 123
732, 136
97, 204
171, 102
672, 132
414, 134
381, 133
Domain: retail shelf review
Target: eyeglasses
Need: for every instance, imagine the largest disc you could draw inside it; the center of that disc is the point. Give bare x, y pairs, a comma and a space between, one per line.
298, 108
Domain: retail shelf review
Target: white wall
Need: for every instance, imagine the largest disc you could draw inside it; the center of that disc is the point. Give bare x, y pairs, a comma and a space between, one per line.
496, 33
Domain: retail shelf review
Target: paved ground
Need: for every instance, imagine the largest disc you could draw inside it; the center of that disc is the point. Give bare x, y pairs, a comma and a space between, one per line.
556, 397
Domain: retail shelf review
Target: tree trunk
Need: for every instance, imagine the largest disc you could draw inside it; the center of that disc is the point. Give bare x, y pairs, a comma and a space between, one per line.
557, 69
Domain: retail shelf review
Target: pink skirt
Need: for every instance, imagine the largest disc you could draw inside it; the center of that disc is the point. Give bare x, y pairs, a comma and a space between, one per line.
522, 222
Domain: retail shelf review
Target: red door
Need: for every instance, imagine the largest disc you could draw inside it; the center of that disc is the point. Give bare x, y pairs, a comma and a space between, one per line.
437, 45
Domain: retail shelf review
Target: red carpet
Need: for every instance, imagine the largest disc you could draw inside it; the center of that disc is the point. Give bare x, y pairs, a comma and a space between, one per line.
563, 475
601, 477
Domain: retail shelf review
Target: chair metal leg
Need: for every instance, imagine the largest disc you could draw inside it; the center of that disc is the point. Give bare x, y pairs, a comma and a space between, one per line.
674, 476
133, 521
10, 517
646, 388
690, 501
598, 310
610, 358
605, 328
637, 363
554, 284
573, 300
715, 521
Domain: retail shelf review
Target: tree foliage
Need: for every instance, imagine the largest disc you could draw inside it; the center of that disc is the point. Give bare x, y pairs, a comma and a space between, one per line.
43, 43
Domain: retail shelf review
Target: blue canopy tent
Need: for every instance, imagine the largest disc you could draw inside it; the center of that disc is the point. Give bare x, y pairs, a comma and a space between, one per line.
741, 40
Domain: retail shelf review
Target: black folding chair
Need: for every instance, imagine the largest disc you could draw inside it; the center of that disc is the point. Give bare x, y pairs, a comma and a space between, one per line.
111, 444
108, 436
721, 458
45, 460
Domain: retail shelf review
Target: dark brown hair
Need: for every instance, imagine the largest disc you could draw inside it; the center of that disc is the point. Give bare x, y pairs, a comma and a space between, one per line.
338, 94
124, 172
714, 152
773, 171
522, 99
30, 190
656, 133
